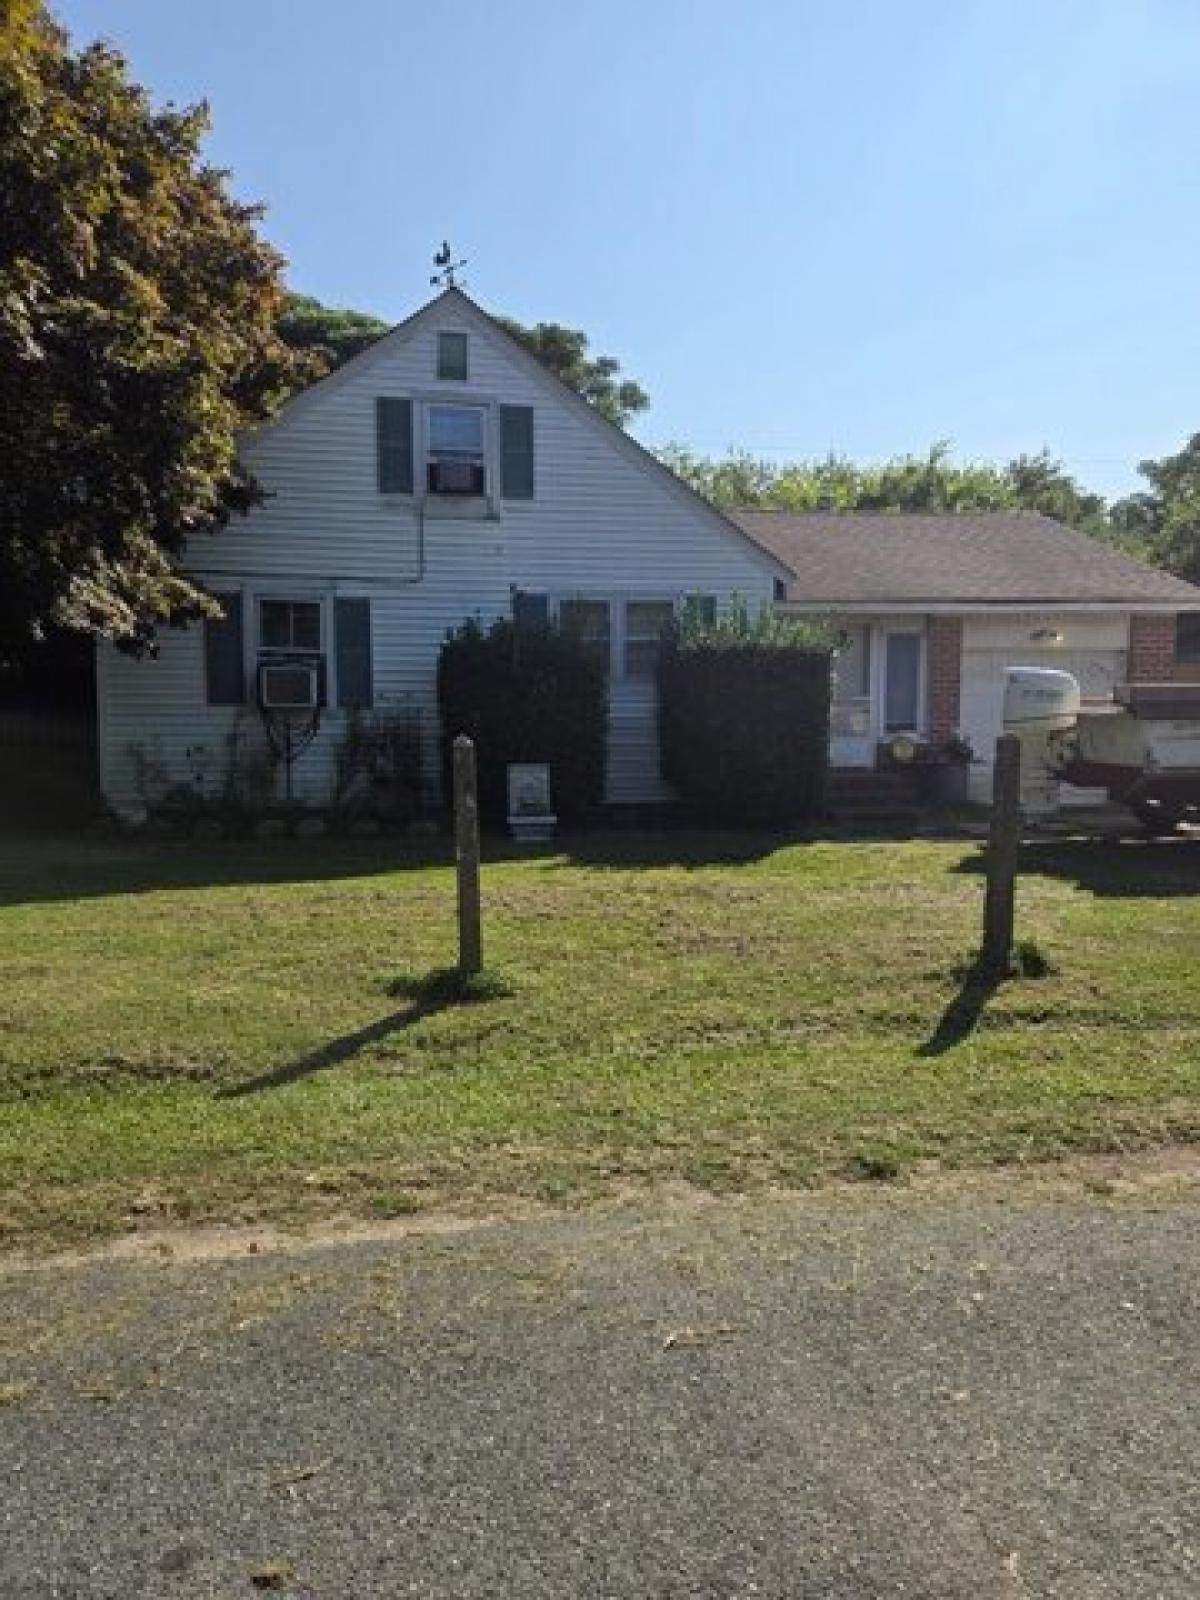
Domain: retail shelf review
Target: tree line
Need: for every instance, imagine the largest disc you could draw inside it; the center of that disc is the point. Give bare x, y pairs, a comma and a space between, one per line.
1160, 523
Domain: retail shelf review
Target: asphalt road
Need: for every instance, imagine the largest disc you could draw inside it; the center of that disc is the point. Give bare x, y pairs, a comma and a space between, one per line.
859, 1393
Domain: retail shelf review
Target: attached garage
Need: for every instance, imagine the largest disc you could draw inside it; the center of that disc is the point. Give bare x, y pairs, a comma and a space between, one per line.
1092, 647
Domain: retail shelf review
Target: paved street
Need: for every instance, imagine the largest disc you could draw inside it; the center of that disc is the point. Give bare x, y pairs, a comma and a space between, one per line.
866, 1392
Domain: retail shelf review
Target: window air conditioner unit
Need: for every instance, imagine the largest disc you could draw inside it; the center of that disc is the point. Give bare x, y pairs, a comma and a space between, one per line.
289, 685
456, 477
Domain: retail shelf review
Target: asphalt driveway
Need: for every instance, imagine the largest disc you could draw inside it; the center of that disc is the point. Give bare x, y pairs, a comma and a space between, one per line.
874, 1392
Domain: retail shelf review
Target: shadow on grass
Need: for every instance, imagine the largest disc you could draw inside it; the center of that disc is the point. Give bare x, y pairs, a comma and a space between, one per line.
440, 990
1120, 869
42, 869
961, 1017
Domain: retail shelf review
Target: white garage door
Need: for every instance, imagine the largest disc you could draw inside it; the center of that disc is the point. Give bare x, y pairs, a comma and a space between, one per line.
1098, 671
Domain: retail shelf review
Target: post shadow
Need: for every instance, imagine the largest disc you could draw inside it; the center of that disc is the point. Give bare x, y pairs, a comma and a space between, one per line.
436, 991
961, 1017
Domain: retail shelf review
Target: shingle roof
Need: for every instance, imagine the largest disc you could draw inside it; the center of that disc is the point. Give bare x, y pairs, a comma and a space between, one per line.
997, 557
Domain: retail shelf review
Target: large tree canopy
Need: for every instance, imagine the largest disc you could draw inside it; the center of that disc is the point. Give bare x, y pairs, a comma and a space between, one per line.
335, 335
597, 378
331, 334
1165, 519
138, 313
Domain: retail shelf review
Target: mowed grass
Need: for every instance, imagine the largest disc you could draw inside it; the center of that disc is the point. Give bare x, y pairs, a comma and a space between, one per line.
232, 1031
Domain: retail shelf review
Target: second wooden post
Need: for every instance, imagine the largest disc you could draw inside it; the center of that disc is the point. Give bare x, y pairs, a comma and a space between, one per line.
466, 857
1004, 841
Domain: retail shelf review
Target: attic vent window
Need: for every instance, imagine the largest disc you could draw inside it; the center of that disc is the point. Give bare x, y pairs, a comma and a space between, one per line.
452, 356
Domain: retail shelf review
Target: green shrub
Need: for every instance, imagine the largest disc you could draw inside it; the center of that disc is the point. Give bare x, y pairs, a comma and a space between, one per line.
377, 768
744, 716
533, 694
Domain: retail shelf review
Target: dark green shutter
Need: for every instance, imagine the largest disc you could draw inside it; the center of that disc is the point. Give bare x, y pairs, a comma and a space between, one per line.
530, 611
352, 642
516, 452
224, 664
394, 444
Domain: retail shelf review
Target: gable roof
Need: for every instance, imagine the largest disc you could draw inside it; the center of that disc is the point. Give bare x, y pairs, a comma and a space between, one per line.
642, 458
1016, 558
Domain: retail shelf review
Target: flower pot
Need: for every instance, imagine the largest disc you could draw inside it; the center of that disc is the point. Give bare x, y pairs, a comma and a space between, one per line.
948, 783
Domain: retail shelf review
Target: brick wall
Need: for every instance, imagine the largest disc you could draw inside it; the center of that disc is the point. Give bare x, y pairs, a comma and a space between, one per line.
944, 656
1151, 649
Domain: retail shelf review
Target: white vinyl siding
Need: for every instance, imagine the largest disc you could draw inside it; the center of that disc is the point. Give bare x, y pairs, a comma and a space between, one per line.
603, 522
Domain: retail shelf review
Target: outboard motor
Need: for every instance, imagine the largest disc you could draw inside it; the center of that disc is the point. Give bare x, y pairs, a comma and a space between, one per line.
1039, 702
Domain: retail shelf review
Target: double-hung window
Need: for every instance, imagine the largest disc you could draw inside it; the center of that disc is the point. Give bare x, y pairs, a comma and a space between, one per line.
291, 646
456, 450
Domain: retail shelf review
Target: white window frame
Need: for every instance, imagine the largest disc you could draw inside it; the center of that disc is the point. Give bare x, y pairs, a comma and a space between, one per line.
289, 649
882, 630
487, 412
255, 651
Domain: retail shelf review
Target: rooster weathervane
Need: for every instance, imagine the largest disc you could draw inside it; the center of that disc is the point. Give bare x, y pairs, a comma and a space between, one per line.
446, 276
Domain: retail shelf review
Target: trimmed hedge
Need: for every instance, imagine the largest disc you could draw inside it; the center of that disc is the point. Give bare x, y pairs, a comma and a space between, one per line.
528, 694
744, 727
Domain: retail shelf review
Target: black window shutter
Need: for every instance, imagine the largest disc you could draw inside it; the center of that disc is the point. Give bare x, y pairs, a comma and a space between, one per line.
394, 444
352, 641
224, 665
530, 611
516, 452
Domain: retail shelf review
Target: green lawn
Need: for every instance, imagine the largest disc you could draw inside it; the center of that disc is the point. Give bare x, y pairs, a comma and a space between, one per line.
722, 1009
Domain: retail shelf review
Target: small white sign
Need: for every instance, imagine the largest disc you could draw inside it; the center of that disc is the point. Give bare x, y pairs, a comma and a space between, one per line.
529, 790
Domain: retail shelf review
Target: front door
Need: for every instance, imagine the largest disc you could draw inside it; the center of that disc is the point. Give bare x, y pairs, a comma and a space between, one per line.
901, 691
852, 721
878, 690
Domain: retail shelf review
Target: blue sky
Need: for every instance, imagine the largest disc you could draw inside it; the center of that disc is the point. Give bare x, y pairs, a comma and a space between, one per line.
858, 225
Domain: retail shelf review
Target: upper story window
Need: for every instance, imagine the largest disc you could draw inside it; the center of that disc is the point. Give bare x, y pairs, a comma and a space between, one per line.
1187, 637
455, 460
478, 449
290, 625
452, 356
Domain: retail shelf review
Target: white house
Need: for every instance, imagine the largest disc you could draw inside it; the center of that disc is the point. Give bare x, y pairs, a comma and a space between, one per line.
443, 473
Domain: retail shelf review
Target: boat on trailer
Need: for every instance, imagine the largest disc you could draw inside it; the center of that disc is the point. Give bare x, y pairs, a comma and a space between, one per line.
1143, 749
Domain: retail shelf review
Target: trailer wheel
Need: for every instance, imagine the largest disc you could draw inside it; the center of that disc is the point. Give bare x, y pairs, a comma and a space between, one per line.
1157, 818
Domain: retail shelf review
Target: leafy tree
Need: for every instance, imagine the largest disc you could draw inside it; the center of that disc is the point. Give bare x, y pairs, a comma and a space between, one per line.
138, 311
1165, 520
596, 378
332, 335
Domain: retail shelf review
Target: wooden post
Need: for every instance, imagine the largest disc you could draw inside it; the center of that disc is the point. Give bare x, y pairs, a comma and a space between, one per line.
466, 857
1004, 839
